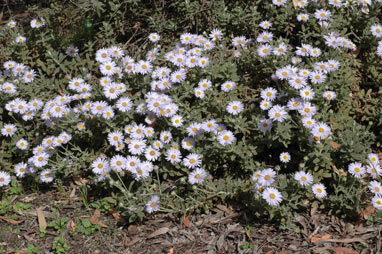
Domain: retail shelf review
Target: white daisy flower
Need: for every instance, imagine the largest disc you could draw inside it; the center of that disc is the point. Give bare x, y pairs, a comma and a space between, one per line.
21, 169
151, 154
154, 37
137, 146
100, 165
22, 144
37, 22
116, 52
157, 144
210, 125
235, 107
216, 34
71, 51
194, 129
272, 196
108, 68
319, 190
264, 124
173, 156
152, 205
308, 122
265, 24
377, 202
228, 86
46, 176
197, 176
225, 138
188, 143
375, 187
132, 162
321, 130
307, 93
177, 120
5, 178
356, 169
303, 178
374, 170
199, 93
118, 163
285, 157
20, 39
268, 94
266, 177
192, 160
264, 50
277, 113
329, 95
8, 130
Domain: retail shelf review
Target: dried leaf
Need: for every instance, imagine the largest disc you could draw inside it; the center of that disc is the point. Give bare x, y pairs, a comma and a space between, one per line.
335, 168
270, 252
335, 145
28, 199
12, 221
295, 3
94, 219
370, 210
342, 250
171, 251
79, 181
73, 226
41, 218
135, 240
317, 238
186, 222
72, 193
95, 216
117, 216
160, 231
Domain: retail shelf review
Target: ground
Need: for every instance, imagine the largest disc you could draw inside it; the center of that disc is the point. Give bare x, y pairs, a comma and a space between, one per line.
225, 229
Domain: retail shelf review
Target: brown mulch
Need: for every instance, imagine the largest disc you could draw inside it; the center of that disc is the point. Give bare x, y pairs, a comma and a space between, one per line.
224, 230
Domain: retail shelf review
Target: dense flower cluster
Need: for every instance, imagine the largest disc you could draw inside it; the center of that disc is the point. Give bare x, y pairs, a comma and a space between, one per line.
159, 131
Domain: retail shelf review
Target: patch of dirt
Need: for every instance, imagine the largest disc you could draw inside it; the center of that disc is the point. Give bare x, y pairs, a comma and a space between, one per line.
224, 230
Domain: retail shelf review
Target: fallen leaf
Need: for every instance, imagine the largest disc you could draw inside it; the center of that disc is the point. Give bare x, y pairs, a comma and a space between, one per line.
12, 221
28, 199
95, 216
342, 250
41, 218
73, 226
186, 222
335, 145
335, 168
370, 210
72, 193
160, 231
295, 3
317, 238
79, 181
117, 216
171, 251
270, 252
135, 240
94, 219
